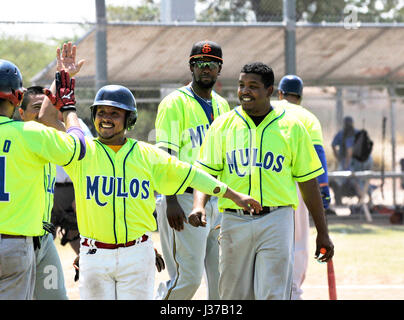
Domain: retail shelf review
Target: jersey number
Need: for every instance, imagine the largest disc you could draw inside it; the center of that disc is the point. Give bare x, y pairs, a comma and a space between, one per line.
4, 196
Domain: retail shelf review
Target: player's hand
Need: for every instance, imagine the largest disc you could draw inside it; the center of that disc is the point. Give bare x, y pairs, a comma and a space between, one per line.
49, 227
244, 201
160, 265
324, 241
175, 214
76, 265
66, 59
64, 98
325, 196
197, 217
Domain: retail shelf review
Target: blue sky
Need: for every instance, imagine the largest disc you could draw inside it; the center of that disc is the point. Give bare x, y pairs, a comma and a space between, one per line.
51, 11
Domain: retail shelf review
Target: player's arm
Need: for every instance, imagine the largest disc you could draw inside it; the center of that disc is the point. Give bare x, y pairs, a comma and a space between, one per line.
64, 101
206, 185
323, 178
306, 167
312, 198
175, 214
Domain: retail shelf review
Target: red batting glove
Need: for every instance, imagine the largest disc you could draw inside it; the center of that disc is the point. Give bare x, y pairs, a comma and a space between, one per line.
64, 98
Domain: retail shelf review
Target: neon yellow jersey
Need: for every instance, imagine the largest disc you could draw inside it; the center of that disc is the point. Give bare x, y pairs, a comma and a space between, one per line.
181, 122
114, 191
309, 120
263, 161
25, 149
49, 186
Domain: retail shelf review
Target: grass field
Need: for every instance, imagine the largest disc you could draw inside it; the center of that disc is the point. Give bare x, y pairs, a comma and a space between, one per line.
368, 262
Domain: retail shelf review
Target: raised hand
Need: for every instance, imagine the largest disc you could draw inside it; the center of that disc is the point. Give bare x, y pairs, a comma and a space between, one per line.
66, 59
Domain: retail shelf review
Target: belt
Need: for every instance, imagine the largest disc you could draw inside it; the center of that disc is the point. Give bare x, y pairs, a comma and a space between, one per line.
102, 245
11, 236
265, 210
189, 190
63, 183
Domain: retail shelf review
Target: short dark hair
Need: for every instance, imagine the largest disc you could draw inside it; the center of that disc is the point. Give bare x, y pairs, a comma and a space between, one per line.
266, 72
31, 91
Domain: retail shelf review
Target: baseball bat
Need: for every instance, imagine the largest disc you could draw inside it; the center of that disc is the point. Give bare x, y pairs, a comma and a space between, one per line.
332, 289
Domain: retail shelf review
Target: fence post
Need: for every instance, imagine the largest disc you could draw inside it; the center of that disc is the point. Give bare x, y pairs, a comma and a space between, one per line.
101, 69
289, 20
391, 90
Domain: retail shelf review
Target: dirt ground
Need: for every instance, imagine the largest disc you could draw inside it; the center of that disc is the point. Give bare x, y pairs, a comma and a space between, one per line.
315, 286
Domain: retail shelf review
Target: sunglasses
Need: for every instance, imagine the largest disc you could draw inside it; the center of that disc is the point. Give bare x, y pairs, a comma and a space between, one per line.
206, 64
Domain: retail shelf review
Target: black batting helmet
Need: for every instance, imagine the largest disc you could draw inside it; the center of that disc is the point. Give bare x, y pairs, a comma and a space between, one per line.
11, 87
291, 84
119, 97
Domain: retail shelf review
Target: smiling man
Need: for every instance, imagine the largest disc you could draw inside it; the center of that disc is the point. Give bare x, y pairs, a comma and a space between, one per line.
182, 121
260, 151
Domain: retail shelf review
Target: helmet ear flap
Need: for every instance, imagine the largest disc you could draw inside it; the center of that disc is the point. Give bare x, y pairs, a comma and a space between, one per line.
93, 110
131, 117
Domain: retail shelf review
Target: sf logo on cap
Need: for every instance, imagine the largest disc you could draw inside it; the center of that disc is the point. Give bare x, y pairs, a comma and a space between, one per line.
206, 48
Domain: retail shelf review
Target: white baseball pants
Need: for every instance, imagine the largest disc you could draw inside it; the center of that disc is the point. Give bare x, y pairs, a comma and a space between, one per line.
302, 230
125, 273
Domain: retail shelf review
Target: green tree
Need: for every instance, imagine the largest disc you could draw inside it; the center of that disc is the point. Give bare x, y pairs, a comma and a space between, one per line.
148, 10
30, 56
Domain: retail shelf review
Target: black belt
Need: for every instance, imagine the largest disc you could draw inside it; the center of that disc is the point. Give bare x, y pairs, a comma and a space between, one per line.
265, 210
63, 183
189, 190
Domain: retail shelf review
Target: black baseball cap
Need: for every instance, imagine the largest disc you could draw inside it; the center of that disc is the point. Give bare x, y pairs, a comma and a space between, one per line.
206, 49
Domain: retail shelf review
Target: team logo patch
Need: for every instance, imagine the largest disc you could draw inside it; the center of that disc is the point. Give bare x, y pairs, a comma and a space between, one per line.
206, 48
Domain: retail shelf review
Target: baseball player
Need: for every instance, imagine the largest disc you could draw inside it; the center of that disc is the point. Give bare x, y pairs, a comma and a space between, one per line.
183, 117
26, 147
114, 190
290, 92
260, 151
49, 279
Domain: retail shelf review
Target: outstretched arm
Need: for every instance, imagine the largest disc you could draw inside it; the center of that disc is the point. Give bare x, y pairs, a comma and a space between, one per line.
205, 185
66, 61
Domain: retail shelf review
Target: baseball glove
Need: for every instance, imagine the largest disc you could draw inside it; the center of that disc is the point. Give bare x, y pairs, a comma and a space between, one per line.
64, 98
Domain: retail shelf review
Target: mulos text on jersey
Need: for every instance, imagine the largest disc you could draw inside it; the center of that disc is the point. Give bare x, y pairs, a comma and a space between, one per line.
115, 186
240, 160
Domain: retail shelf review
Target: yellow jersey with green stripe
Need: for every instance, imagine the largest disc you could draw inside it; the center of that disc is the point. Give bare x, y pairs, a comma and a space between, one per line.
309, 120
263, 162
25, 149
114, 191
181, 122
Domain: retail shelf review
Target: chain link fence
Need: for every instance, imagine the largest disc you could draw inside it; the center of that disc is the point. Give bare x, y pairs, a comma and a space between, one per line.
35, 46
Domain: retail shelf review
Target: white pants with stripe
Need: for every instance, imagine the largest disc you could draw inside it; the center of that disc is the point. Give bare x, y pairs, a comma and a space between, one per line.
302, 230
189, 252
125, 273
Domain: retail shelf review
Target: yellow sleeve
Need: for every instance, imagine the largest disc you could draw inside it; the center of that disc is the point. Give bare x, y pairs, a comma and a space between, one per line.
168, 126
170, 175
210, 158
306, 164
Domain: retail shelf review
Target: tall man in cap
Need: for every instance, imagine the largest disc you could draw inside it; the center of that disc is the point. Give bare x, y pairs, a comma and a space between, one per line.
183, 119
